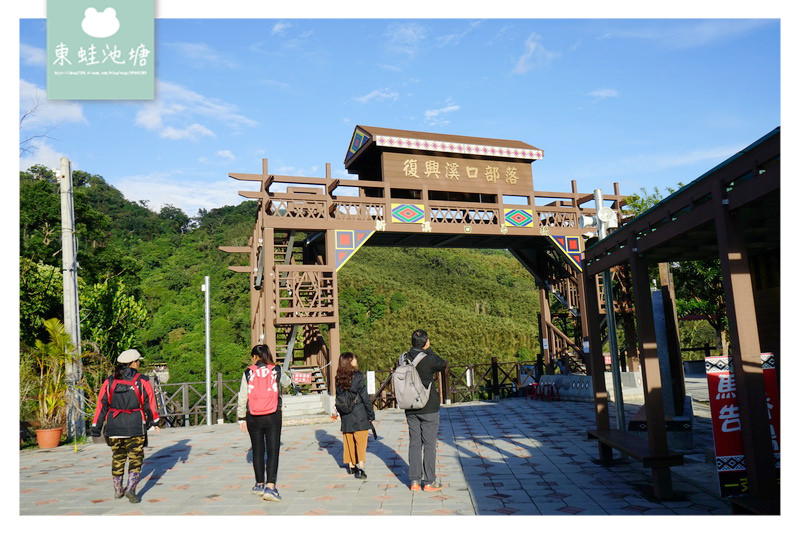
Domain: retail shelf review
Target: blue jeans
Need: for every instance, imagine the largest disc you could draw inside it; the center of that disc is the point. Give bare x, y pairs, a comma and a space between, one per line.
423, 431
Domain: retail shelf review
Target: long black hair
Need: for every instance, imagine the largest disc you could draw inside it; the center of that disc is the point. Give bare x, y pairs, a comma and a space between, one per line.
262, 352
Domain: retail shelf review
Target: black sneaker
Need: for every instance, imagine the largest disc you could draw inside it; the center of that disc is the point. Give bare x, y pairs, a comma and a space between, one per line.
349, 469
118, 495
133, 497
360, 474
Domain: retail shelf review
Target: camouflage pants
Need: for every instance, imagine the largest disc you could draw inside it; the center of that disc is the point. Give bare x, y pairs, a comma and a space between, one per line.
128, 449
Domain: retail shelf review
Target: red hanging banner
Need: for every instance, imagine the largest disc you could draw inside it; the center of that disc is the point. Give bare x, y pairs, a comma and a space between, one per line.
731, 466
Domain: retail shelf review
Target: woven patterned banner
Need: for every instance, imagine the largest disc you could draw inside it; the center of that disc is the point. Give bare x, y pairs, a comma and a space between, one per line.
408, 213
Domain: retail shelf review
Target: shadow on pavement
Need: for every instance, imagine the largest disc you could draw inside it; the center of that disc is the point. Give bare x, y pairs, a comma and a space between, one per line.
163, 460
332, 445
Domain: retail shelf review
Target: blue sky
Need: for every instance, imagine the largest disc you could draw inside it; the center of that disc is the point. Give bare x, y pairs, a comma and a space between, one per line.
647, 102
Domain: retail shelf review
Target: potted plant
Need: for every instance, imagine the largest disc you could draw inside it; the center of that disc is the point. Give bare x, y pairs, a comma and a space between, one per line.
49, 362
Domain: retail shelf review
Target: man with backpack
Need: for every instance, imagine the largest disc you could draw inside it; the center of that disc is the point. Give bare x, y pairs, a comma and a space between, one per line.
417, 394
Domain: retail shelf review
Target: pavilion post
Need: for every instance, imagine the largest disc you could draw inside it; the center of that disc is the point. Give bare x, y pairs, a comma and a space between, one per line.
651, 373
745, 351
596, 362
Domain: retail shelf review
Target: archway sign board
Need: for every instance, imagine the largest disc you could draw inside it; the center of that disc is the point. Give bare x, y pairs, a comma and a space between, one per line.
411, 189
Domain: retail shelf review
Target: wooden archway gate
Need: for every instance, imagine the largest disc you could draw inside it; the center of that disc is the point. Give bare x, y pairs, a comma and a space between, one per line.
412, 189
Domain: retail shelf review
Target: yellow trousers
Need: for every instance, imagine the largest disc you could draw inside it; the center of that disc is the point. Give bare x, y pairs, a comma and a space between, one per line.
355, 447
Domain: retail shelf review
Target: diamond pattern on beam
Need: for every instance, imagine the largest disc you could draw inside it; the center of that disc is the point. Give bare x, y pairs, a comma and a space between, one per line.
520, 218
408, 213
347, 242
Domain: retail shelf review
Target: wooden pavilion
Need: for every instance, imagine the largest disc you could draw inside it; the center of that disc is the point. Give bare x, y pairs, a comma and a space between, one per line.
732, 212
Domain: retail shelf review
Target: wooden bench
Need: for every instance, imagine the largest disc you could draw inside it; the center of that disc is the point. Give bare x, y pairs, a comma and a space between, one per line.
634, 447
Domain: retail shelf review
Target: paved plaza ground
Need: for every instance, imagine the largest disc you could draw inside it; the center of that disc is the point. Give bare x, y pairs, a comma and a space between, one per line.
508, 457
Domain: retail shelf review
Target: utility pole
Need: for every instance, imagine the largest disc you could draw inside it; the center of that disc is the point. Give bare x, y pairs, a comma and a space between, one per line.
604, 216
74, 368
206, 288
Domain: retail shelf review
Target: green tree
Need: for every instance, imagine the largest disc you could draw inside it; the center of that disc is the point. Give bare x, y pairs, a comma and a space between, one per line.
111, 317
40, 297
698, 284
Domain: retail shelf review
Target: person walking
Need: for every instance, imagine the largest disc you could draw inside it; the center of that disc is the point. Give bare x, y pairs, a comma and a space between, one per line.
126, 407
356, 413
259, 414
423, 423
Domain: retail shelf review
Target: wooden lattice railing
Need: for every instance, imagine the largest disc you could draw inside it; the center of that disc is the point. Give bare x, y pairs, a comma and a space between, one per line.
305, 292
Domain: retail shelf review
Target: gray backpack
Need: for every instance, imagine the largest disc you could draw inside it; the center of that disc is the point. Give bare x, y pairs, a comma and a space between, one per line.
407, 384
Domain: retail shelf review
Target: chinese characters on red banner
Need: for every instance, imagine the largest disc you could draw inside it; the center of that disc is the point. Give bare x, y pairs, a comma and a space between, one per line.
731, 466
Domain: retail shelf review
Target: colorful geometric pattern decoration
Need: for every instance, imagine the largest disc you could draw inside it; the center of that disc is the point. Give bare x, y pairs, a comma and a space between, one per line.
360, 138
347, 242
520, 218
570, 247
458, 148
408, 213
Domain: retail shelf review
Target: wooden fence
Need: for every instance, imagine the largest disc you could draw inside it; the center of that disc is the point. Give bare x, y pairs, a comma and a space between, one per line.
464, 383
184, 404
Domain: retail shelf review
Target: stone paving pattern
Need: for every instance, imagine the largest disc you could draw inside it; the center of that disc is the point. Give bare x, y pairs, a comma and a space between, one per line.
509, 457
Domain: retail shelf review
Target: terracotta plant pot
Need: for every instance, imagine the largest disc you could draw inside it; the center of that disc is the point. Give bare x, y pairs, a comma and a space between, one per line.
48, 438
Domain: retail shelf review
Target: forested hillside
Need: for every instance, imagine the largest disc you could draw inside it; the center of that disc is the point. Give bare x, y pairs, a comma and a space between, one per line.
141, 272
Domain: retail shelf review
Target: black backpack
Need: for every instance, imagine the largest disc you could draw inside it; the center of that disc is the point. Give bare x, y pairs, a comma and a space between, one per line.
346, 401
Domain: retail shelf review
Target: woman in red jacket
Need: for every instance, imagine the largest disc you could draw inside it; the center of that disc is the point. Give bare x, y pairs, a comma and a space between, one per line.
126, 406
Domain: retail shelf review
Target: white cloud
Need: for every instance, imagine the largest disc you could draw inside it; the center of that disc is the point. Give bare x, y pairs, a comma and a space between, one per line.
31, 55
175, 111
41, 153
280, 28
436, 117
710, 156
604, 93
534, 56
453, 39
405, 38
192, 132
688, 34
164, 188
201, 53
380, 95
43, 113
226, 154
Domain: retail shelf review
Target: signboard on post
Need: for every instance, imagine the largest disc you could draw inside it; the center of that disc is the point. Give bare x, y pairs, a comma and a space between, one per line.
301, 377
730, 461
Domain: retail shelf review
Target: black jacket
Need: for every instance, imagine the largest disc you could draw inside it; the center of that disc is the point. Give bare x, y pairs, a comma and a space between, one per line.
359, 419
427, 368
